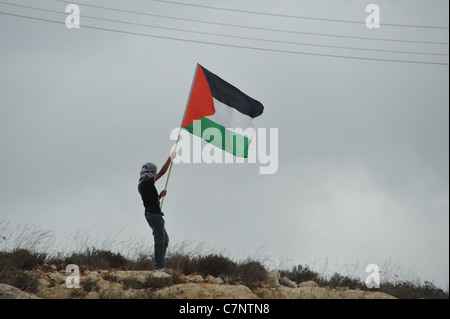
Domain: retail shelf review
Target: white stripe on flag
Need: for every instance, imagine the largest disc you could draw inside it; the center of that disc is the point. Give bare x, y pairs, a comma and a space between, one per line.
229, 117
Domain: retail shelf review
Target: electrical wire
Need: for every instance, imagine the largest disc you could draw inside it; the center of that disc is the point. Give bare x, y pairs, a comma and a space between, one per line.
295, 17
250, 27
230, 36
231, 45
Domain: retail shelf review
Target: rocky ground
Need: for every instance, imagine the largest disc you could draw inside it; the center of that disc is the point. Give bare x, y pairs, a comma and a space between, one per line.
99, 284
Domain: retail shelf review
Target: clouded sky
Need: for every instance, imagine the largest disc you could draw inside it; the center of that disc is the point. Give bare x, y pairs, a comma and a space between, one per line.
363, 149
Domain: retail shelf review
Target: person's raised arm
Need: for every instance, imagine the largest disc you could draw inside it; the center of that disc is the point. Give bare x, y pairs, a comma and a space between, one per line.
165, 166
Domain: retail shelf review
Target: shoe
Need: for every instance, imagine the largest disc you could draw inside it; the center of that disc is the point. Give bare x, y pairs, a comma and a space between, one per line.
165, 270
160, 269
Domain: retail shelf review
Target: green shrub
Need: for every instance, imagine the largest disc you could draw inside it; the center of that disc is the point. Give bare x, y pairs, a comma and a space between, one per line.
409, 290
251, 273
216, 265
182, 263
301, 274
344, 281
21, 259
97, 258
143, 262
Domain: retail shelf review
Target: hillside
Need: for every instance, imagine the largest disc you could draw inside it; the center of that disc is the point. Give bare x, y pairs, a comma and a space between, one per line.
49, 282
105, 274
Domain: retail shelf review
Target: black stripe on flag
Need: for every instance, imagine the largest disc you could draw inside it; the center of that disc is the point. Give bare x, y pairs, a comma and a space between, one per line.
232, 96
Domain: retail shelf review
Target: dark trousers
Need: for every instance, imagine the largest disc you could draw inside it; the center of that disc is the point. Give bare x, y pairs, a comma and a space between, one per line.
156, 222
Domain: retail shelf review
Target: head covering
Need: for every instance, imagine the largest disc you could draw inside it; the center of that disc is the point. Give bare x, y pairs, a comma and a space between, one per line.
147, 171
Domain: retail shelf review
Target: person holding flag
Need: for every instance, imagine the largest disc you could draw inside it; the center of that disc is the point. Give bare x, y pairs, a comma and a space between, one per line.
153, 213
212, 104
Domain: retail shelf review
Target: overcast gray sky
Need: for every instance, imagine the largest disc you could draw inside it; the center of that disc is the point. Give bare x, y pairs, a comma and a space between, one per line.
363, 149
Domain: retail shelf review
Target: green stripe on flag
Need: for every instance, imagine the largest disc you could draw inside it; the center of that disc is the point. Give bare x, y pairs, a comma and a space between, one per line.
228, 140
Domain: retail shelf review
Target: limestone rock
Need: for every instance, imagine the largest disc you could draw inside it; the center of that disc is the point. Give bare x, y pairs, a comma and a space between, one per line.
273, 279
137, 276
194, 278
204, 291
308, 284
230, 292
108, 289
10, 292
43, 282
219, 291
214, 280
318, 293
359, 294
55, 291
93, 276
56, 278
288, 283
92, 295
159, 279
124, 294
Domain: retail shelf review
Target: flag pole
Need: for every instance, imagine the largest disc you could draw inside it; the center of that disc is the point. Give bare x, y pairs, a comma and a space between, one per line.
179, 132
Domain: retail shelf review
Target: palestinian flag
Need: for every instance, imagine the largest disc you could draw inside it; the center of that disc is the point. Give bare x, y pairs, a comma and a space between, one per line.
214, 103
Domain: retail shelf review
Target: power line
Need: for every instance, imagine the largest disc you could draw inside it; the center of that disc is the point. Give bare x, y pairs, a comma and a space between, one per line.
231, 36
232, 45
251, 27
296, 17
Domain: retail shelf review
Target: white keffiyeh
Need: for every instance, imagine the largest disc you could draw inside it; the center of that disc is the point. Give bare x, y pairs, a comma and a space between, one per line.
147, 171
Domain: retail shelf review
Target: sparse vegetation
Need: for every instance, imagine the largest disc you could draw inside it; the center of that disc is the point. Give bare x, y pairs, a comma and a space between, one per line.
251, 273
301, 273
401, 290
21, 259
216, 265
409, 290
16, 265
96, 258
